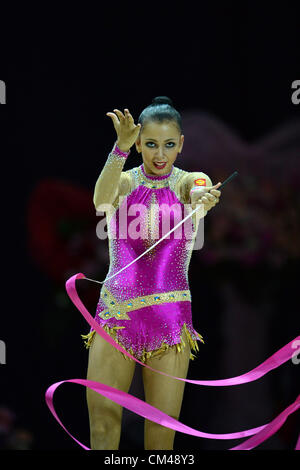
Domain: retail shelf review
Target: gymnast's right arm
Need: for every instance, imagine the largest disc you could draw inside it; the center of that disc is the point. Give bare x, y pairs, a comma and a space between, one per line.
112, 178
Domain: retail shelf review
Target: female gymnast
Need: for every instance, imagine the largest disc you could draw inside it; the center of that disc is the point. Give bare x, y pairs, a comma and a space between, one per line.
147, 307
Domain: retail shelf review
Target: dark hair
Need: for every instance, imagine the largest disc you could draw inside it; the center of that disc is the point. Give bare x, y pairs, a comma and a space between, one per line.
161, 109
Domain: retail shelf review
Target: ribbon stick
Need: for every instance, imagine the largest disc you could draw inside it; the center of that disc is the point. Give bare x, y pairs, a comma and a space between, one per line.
259, 434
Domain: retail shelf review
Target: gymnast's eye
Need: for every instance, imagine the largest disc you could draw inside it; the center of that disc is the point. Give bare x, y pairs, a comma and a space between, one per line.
168, 144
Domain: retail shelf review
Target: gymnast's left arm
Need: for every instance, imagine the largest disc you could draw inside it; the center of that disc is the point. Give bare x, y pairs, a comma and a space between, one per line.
200, 190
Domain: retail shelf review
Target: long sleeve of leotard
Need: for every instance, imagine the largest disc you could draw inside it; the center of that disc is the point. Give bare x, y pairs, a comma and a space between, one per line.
112, 181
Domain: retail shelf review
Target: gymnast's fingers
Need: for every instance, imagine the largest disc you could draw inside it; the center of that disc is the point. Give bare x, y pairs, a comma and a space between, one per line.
215, 192
119, 114
209, 196
128, 116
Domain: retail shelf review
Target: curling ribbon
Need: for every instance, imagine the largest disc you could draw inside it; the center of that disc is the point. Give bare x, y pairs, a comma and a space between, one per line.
259, 434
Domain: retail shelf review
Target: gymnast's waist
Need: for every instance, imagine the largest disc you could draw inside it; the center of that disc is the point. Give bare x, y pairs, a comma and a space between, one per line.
119, 309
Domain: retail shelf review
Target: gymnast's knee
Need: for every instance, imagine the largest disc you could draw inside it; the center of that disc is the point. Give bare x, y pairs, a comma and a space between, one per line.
105, 422
105, 431
158, 437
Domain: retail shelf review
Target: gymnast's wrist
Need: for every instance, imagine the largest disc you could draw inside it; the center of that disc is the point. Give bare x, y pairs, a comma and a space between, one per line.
196, 188
120, 150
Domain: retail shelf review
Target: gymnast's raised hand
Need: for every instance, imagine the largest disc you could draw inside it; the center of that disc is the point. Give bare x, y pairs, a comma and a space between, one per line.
127, 131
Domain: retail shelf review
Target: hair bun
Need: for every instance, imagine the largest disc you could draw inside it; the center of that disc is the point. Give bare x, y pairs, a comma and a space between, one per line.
162, 100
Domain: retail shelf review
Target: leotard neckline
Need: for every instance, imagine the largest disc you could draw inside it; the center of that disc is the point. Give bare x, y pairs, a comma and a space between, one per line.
154, 177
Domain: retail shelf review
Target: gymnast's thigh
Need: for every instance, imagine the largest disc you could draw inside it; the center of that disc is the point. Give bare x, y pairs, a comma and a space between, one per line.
107, 365
163, 392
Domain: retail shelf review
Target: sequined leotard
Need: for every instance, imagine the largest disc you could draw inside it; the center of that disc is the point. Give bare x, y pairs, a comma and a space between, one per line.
147, 306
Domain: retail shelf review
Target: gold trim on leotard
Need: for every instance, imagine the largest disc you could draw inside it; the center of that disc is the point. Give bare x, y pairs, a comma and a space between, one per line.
149, 354
119, 310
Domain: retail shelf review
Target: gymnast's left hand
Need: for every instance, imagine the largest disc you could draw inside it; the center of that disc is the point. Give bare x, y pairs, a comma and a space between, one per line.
209, 196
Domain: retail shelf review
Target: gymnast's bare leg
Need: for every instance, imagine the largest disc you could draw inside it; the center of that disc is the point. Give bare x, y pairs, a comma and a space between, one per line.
108, 366
165, 393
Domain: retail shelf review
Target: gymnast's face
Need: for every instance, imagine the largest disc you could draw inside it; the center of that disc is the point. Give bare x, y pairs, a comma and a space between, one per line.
159, 142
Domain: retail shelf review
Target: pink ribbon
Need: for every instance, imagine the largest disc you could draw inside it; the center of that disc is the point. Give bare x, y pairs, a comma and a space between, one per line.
259, 434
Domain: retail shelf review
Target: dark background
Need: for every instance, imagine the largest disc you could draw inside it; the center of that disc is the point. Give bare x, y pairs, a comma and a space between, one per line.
228, 69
